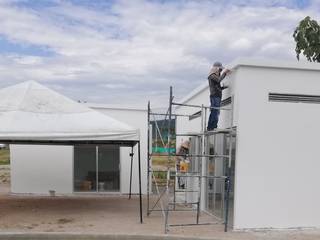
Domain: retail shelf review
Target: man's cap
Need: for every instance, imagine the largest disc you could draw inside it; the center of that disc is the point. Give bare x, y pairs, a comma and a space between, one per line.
218, 64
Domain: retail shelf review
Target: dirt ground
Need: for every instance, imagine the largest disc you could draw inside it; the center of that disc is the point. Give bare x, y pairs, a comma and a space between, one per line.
111, 215
4, 174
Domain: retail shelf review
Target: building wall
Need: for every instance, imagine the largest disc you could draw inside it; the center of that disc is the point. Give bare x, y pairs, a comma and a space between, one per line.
277, 157
40, 168
277, 162
137, 119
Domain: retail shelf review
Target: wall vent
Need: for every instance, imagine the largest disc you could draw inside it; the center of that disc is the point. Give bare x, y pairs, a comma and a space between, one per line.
225, 102
293, 98
195, 115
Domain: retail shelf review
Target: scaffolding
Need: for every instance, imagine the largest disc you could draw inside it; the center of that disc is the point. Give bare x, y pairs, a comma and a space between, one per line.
167, 189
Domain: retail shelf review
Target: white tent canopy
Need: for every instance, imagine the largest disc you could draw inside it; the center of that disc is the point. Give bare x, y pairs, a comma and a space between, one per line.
31, 112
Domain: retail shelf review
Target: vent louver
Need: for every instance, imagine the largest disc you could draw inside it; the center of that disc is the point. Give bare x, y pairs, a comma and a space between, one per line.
225, 102
293, 98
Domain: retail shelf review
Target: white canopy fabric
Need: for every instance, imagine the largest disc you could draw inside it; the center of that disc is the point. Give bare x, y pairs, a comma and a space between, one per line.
31, 112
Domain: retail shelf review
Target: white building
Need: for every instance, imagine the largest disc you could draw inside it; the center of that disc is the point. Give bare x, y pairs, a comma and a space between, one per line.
137, 118
276, 113
80, 168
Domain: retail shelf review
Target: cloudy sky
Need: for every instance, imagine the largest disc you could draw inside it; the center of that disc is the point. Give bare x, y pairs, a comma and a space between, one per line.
129, 51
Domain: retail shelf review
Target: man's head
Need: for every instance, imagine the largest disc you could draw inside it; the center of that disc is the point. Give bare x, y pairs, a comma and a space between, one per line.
218, 65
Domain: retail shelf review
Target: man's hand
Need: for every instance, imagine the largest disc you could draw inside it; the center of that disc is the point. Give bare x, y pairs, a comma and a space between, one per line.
227, 71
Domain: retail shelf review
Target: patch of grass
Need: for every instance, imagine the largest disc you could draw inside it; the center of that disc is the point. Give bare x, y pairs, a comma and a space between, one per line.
162, 161
160, 175
4, 156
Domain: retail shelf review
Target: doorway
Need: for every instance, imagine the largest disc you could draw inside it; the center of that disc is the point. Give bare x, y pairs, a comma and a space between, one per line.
96, 168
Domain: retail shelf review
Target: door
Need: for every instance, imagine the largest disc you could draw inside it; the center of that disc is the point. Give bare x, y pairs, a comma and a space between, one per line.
109, 168
85, 168
96, 168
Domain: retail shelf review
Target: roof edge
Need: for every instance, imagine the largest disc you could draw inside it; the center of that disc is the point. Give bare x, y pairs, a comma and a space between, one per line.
269, 63
259, 63
114, 107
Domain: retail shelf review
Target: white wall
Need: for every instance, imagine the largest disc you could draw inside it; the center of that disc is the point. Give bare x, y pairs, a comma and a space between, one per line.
277, 162
277, 158
39, 169
137, 119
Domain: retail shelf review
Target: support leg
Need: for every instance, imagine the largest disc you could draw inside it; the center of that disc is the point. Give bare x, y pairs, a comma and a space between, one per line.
227, 205
130, 187
140, 192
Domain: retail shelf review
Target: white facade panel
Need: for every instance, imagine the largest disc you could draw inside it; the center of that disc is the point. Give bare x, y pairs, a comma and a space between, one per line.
277, 158
39, 169
137, 119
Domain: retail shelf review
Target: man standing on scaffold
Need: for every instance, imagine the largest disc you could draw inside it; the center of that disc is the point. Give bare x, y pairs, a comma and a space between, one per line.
216, 75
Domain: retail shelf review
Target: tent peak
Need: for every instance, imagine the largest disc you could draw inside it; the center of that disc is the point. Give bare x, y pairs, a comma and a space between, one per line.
31, 111
31, 96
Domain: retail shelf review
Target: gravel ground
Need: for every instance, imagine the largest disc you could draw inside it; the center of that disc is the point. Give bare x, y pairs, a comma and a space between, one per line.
4, 174
111, 215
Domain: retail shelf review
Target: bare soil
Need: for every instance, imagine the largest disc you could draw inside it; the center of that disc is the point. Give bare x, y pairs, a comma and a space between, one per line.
111, 215
4, 174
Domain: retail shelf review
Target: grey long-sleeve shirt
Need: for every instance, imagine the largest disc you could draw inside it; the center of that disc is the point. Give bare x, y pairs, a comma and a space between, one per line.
214, 84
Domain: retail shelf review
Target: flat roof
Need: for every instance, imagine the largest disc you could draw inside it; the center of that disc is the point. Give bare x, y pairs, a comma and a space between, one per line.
259, 63
114, 107
269, 63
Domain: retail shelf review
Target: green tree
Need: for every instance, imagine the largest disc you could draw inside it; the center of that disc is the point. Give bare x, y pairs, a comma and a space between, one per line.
307, 37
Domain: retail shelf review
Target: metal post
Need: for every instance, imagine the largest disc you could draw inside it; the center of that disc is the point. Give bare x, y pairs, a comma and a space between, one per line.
140, 192
169, 126
169, 158
166, 225
130, 187
202, 162
97, 168
174, 192
228, 179
227, 204
148, 157
198, 212
169, 139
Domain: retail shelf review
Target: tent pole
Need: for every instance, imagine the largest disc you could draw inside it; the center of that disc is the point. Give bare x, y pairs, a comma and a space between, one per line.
131, 155
140, 194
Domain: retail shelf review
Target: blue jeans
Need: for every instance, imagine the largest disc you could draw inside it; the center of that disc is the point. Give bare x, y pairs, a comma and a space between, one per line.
214, 114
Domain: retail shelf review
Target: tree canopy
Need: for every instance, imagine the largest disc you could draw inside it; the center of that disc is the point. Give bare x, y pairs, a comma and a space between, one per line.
307, 37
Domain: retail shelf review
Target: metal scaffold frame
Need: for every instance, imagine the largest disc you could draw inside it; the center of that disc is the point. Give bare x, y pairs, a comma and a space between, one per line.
163, 197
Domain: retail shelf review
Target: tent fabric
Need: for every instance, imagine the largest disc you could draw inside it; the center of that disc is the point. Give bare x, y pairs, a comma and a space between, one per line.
31, 111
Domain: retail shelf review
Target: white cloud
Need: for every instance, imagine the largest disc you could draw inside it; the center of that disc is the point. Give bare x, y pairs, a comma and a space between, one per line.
140, 45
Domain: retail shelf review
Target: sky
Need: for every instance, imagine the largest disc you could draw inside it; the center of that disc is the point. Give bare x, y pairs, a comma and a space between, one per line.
126, 52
